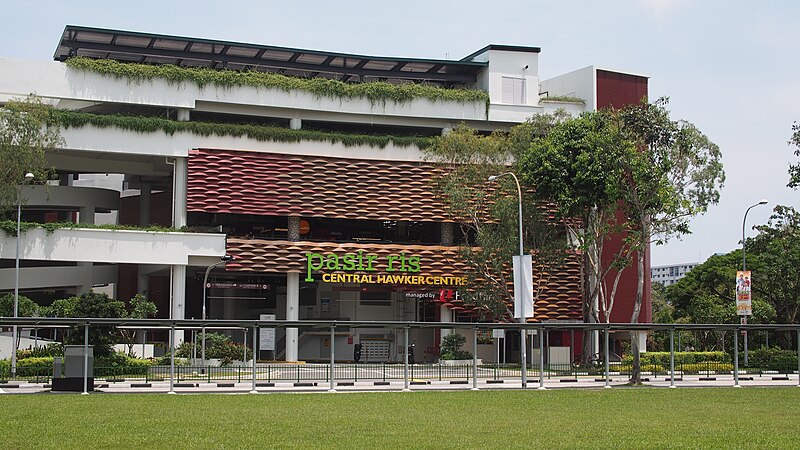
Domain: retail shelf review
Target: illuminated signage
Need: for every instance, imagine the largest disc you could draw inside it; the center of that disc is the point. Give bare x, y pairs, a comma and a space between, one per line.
399, 269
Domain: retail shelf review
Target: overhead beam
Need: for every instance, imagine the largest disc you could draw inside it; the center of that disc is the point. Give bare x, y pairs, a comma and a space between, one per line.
271, 63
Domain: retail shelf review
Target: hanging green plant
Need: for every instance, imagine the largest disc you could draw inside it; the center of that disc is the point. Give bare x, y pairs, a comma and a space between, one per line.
563, 99
261, 133
9, 227
375, 92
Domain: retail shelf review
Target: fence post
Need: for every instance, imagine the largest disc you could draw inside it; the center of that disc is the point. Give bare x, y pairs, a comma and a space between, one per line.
736, 358
672, 357
541, 358
475, 359
172, 359
85, 359
333, 355
523, 360
605, 358
255, 350
405, 361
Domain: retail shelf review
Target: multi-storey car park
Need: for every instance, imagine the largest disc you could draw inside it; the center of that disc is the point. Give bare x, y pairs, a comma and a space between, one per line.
287, 160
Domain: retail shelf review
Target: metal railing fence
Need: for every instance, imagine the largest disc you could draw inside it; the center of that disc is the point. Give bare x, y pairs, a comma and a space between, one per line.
407, 371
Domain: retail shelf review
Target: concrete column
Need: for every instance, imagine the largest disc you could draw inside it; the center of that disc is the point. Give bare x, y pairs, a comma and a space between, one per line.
144, 205
179, 193
178, 303
292, 313
183, 115
86, 214
447, 233
178, 272
446, 130
295, 123
446, 315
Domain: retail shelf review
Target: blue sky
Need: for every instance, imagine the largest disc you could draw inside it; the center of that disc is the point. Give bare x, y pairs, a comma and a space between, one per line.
727, 66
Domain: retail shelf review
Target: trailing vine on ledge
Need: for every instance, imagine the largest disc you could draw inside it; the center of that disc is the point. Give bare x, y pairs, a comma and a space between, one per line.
375, 92
259, 133
9, 227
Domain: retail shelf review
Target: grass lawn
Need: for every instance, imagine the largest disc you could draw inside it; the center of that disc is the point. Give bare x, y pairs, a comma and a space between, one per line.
617, 418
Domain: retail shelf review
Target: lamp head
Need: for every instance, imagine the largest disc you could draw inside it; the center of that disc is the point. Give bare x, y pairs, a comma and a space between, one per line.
227, 258
763, 202
493, 177
29, 176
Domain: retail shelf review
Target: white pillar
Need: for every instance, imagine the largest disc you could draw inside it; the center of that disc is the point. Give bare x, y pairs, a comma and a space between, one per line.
446, 315
86, 214
292, 313
183, 115
179, 193
178, 272
178, 300
295, 123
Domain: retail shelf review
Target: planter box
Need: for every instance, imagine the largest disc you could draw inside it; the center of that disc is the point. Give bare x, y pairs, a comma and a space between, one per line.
459, 362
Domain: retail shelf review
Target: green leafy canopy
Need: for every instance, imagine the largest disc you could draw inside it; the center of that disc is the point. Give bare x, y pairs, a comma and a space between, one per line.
25, 138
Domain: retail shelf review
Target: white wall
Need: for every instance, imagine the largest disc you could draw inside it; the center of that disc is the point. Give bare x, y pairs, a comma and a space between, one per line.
115, 246
57, 81
581, 83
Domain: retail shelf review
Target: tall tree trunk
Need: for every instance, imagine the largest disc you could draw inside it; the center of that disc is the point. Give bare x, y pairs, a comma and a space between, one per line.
644, 239
586, 310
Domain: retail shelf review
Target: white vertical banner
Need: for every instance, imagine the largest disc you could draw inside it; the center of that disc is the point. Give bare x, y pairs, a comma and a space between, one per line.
523, 286
266, 338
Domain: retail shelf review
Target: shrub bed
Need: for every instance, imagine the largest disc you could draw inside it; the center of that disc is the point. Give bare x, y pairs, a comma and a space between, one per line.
773, 359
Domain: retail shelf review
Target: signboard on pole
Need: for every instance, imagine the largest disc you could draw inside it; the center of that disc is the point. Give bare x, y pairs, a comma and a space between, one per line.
744, 306
266, 339
523, 286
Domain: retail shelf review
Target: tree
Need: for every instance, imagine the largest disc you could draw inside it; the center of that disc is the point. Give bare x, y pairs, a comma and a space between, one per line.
218, 346
137, 308
25, 308
487, 213
576, 168
707, 295
776, 252
794, 169
90, 305
25, 138
673, 173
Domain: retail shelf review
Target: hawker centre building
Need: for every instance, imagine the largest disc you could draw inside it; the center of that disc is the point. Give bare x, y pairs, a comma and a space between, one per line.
324, 200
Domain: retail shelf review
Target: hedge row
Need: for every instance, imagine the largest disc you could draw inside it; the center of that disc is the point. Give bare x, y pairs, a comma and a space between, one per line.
662, 358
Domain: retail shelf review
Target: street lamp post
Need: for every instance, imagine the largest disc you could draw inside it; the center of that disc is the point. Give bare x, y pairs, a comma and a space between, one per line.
523, 340
28, 177
223, 260
744, 268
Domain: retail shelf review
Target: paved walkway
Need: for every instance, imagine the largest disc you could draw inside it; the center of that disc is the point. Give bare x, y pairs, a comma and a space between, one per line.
194, 387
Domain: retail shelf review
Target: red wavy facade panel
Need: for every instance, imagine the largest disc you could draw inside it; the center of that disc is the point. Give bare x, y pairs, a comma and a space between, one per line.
224, 181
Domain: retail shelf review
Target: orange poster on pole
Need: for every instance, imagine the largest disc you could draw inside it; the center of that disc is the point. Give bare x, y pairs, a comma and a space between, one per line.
744, 305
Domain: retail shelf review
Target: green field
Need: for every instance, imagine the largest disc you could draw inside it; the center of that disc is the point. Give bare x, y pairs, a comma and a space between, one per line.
617, 418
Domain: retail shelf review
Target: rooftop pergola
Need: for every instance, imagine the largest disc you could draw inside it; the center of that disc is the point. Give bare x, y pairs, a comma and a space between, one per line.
146, 48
